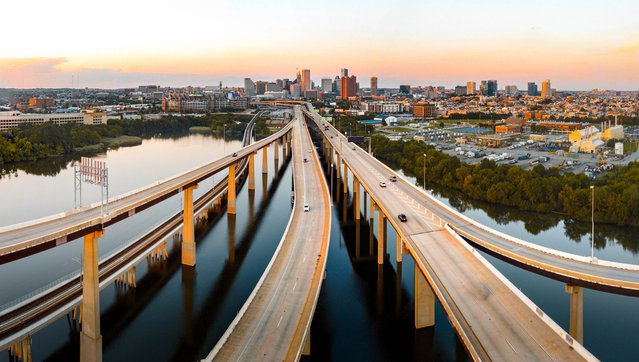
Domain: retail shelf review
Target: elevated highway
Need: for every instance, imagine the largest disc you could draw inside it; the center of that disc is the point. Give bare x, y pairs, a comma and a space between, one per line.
25, 318
20, 240
274, 323
492, 318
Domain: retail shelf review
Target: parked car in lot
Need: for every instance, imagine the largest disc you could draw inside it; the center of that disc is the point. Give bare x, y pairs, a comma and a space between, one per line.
382, 184
402, 217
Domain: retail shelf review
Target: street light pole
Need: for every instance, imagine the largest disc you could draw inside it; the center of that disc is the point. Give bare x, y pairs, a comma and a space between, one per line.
424, 180
592, 237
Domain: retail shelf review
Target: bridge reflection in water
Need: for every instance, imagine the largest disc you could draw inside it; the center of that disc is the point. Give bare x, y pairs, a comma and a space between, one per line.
231, 249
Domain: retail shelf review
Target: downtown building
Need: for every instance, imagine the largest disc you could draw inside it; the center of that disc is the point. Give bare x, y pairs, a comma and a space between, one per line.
382, 107
13, 119
348, 86
200, 103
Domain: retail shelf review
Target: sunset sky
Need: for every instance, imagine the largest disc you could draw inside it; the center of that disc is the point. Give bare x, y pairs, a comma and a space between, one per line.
577, 44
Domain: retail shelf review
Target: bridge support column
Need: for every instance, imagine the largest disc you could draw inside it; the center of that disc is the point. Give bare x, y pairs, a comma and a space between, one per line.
251, 167
345, 179
306, 349
188, 235
265, 160
230, 195
424, 301
356, 197
371, 209
338, 165
399, 248
90, 338
276, 149
365, 195
576, 327
381, 237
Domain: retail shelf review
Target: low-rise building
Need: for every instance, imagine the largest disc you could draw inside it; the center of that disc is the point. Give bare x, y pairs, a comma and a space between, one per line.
13, 119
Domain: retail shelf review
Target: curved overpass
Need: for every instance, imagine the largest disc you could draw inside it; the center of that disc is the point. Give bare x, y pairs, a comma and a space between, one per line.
20, 240
493, 319
619, 278
32, 314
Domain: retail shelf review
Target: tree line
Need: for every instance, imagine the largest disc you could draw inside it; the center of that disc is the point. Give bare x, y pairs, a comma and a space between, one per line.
33, 142
539, 189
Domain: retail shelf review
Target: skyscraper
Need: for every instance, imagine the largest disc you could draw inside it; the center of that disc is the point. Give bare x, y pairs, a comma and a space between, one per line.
249, 87
306, 80
348, 86
546, 92
488, 88
373, 86
327, 85
470, 88
343, 72
532, 89
404, 88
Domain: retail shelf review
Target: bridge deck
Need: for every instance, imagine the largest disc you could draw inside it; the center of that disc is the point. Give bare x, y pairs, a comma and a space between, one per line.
276, 319
492, 319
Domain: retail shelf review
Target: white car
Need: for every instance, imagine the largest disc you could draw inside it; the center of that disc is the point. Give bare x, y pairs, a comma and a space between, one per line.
382, 184
306, 207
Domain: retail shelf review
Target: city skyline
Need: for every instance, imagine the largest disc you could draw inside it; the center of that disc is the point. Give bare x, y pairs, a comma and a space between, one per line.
578, 45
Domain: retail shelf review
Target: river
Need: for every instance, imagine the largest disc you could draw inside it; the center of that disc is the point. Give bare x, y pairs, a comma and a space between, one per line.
364, 311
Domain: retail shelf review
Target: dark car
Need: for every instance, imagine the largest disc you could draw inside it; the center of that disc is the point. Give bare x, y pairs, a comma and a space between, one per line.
402, 217
234, 154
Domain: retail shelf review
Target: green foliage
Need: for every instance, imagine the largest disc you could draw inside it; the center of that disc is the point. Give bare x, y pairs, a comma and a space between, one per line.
29, 143
539, 189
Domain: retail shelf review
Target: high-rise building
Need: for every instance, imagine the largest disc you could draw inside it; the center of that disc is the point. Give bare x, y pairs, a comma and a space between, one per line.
337, 85
296, 90
348, 86
327, 85
373, 86
306, 79
470, 88
511, 90
249, 87
260, 87
488, 88
343, 72
532, 89
460, 90
546, 91
404, 88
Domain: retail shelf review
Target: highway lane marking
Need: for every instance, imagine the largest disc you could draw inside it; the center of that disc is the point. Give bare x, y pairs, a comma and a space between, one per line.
294, 286
280, 321
511, 346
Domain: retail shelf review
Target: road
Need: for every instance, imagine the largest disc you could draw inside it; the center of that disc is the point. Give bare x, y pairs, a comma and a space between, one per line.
493, 319
21, 240
35, 313
275, 321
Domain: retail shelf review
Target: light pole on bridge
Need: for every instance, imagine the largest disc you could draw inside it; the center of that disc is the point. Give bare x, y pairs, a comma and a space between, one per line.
424, 179
592, 217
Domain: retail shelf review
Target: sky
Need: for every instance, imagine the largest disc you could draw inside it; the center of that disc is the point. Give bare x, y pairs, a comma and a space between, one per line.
578, 45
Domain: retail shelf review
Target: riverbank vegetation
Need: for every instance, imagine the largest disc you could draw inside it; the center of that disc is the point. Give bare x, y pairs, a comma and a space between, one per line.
28, 143
539, 189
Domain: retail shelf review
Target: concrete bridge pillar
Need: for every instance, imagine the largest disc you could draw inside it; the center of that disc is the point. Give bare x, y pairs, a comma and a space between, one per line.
338, 165
251, 167
424, 301
576, 327
381, 236
365, 195
306, 348
399, 248
345, 179
90, 338
230, 195
356, 197
371, 209
265, 160
188, 238
276, 149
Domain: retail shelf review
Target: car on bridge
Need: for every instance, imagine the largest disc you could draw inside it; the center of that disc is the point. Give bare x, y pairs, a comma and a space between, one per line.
393, 178
382, 184
306, 207
402, 217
